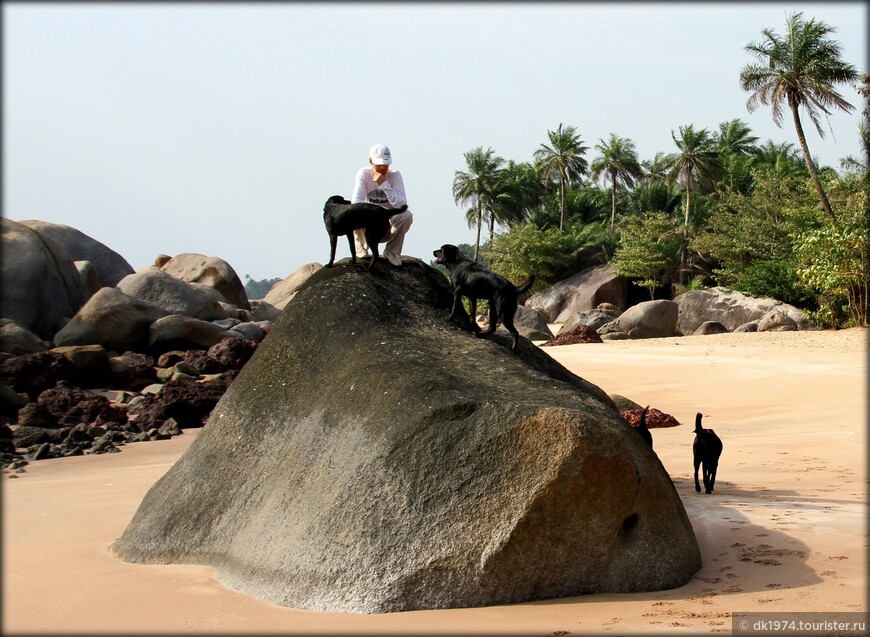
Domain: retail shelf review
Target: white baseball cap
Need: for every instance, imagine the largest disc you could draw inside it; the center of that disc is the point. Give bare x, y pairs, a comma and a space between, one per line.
380, 155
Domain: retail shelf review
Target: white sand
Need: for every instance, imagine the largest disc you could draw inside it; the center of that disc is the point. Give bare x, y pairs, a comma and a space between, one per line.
784, 531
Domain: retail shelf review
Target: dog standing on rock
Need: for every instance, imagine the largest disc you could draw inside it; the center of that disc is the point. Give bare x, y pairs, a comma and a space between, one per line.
341, 217
476, 282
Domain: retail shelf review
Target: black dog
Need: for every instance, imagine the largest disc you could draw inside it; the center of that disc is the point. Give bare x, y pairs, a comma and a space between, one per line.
342, 217
706, 451
476, 282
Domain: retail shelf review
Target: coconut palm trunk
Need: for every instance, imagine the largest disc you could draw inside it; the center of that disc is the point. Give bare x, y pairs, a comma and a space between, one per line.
814, 175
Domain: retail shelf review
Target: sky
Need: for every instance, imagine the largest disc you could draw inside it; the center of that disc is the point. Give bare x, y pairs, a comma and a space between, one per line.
222, 128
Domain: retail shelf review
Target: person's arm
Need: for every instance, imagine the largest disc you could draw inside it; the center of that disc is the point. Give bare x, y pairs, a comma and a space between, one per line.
360, 187
394, 189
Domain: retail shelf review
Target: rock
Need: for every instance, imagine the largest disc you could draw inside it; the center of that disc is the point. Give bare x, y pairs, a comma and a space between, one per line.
532, 324
36, 416
47, 289
15, 339
183, 332
777, 321
710, 327
90, 278
91, 364
578, 334
284, 291
202, 363
32, 374
250, 331
624, 404
590, 318
24, 436
174, 295
751, 326
263, 311
112, 319
211, 271
655, 419
651, 319
70, 406
233, 352
111, 267
730, 308
581, 292
373, 456
132, 371
187, 401
11, 401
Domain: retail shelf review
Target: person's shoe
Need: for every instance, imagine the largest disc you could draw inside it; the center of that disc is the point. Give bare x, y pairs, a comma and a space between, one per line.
394, 259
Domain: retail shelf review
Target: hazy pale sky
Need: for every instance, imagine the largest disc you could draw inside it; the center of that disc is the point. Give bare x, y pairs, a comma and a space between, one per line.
223, 128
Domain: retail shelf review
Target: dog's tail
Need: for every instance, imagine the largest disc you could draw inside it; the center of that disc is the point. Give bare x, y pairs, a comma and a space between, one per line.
395, 211
525, 286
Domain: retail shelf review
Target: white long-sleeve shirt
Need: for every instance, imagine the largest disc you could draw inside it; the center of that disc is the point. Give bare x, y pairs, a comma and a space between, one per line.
390, 194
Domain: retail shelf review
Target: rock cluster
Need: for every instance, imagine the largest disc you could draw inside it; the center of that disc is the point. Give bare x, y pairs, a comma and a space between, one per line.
94, 354
74, 400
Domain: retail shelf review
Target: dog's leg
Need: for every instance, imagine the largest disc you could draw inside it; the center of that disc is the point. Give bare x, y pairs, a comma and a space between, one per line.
372, 239
507, 318
697, 466
494, 311
457, 301
472, 315
333, 240
352, 246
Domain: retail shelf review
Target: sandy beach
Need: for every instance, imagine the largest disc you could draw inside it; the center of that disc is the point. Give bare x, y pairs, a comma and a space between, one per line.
785, 530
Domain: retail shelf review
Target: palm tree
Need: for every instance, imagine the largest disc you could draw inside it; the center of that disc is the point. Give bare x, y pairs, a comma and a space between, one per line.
736, 138
782, 159
694, 166
801, 69
736, 145
517, 194
618, 161
477, 186
564, 156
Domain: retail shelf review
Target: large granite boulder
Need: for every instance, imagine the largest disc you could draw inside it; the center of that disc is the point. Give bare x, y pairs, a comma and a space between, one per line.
111, 267
211, 271
174, 295
373, 456
650, 319
41, 287
581, 292
730, 308
112, 319
14, 339
284, 291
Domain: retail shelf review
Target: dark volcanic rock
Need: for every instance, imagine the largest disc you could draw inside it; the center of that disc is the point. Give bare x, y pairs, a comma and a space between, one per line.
233, 352
655, 419
187, 401
374, 457
578, 334
33, 373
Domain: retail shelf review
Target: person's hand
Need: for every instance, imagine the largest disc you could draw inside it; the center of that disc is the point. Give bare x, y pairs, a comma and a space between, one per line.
379, 177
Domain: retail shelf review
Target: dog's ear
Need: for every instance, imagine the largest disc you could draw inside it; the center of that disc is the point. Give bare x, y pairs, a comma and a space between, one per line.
337, 199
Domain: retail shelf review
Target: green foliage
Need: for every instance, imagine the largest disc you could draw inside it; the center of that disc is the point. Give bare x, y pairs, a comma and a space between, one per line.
833, 260
258, 289
750, 237
550, 253
650, 246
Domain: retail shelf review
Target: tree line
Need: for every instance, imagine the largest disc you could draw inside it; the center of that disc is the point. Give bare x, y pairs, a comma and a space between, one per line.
721, 209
